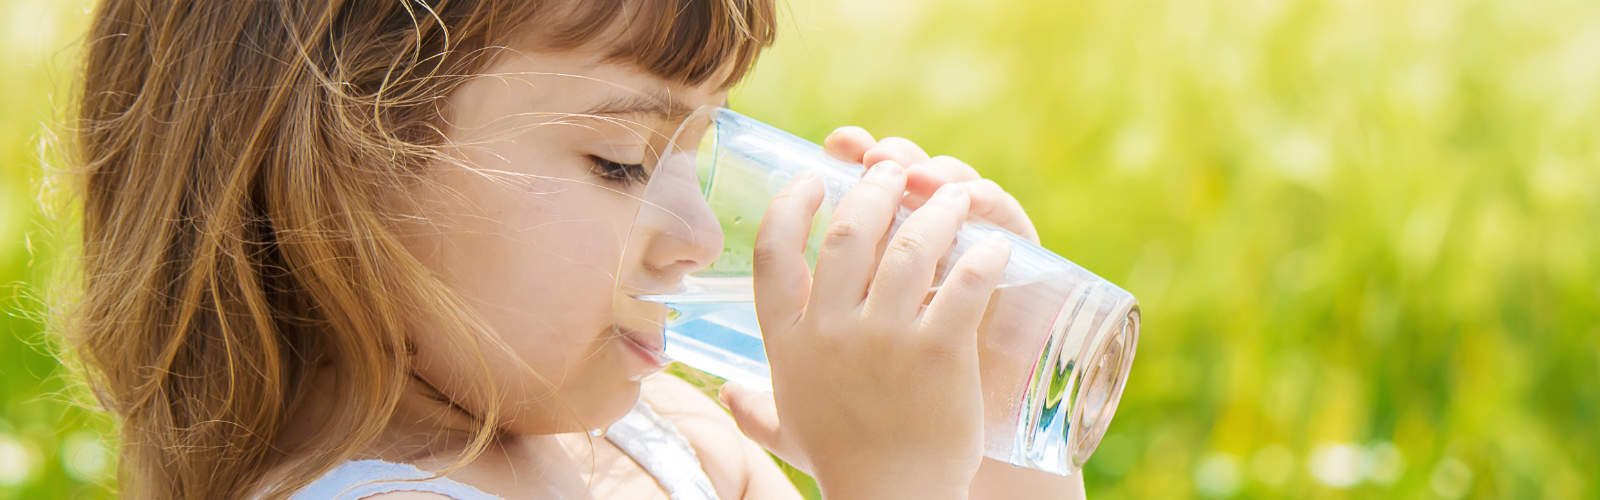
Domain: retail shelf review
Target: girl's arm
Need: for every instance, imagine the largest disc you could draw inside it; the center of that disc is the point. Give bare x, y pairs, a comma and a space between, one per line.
737, 466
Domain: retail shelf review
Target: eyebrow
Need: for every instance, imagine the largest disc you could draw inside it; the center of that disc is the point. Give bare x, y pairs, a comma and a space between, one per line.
660, 106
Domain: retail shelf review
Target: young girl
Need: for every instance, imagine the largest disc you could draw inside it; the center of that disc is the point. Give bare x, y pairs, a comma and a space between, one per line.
329, 246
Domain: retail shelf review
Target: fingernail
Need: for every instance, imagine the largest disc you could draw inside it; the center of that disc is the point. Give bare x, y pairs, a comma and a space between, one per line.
884, 168
949, 193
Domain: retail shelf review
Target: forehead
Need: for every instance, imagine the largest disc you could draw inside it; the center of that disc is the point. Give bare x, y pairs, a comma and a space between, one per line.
582, 81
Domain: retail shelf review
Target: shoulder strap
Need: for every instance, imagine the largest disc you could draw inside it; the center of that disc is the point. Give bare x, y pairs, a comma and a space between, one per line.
658, 447
364, 478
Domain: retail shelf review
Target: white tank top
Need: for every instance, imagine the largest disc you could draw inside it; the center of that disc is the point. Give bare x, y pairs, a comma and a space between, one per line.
646, 437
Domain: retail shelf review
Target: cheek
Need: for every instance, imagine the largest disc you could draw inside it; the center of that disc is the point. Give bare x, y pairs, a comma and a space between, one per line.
544, 283
535, 258
546, 265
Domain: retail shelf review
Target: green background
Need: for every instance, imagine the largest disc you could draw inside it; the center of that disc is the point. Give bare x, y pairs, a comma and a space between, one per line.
1364, 232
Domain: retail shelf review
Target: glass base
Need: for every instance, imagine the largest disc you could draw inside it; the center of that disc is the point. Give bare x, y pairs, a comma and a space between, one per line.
1072, 395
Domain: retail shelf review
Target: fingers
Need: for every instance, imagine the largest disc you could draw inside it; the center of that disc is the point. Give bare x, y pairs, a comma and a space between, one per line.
924, 178
992, 203
848, 144
855, 144
895, 149
846, 260
756, 414
754, 411
957, 308
906, 272
781, 275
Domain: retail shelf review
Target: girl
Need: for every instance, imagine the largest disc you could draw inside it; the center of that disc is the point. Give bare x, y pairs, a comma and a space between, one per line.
331, 245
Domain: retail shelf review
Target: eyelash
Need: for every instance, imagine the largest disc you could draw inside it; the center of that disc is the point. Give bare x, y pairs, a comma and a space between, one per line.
625, 173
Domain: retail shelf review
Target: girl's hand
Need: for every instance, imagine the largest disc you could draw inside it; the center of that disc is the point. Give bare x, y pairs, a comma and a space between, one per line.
875, 395
995, 479
924, 175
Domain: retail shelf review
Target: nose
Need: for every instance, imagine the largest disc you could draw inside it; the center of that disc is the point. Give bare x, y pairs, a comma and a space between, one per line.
676, 228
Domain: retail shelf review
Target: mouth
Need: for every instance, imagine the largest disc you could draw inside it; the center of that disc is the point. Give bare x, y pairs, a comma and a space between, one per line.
650, 346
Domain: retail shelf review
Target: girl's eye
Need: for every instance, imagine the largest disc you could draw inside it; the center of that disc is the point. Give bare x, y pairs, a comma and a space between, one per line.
625, 173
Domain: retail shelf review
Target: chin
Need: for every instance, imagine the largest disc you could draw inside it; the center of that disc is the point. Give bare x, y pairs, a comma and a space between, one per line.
617, 404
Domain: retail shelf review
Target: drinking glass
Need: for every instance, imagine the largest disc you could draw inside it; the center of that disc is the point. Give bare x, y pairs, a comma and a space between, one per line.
1055, 343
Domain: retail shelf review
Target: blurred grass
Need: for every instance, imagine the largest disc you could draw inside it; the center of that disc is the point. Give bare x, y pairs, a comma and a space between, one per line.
49, 447
1363, 232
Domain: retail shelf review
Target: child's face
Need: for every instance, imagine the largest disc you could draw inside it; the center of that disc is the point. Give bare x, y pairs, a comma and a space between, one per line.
531, 233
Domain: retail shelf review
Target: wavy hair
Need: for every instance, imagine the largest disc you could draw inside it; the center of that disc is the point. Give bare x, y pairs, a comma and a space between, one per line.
232, 159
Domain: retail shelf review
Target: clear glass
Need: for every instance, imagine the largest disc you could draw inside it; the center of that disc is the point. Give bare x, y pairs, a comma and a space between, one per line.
1055, 344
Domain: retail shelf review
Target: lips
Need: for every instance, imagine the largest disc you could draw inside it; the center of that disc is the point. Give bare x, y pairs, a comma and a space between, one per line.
651, 346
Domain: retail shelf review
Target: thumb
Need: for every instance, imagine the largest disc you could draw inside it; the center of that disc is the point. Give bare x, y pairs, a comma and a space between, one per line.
756, 413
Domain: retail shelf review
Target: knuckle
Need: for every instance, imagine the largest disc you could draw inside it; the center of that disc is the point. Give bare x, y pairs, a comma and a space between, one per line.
785, 196
892, 147
986, 193
909, 245
959, 170
842, 230
766, 253
985, 187
789, 201
972, 277
993, 187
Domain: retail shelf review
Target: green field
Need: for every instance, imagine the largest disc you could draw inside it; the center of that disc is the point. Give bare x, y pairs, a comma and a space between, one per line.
1363, 232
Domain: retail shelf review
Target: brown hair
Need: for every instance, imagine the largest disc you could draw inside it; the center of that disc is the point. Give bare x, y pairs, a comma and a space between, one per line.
233, 157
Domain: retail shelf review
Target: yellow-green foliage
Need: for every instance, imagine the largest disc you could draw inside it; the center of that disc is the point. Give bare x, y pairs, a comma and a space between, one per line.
1364, 232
